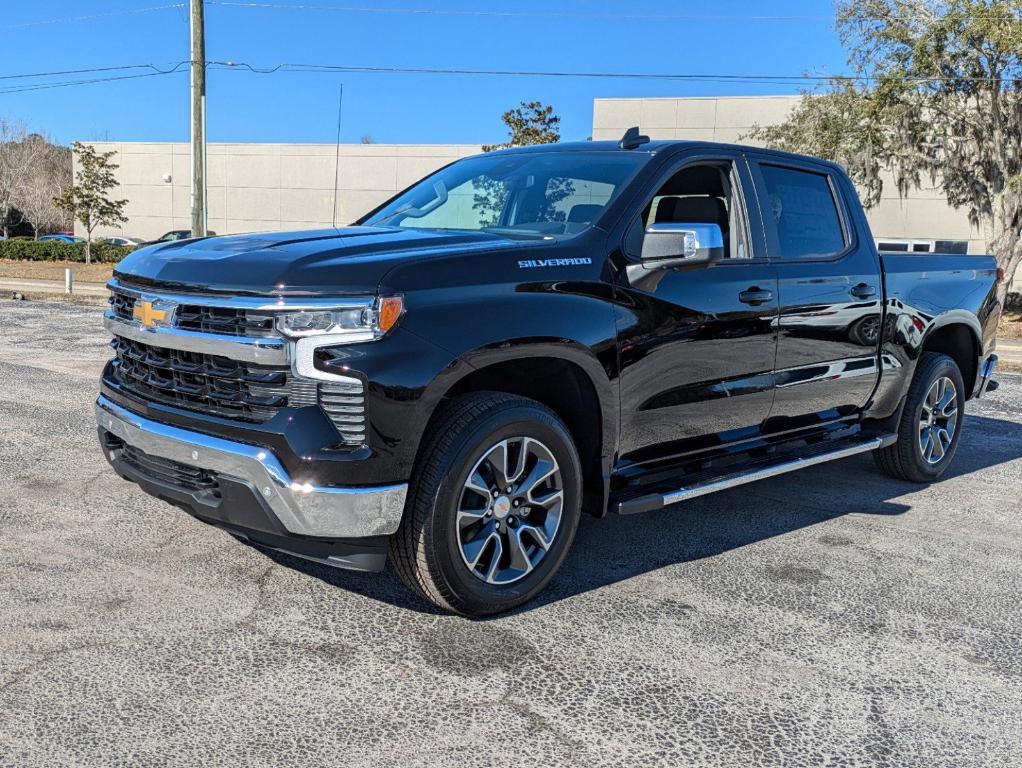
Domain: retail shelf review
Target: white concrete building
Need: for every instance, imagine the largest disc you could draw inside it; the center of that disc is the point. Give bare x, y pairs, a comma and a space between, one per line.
264, 187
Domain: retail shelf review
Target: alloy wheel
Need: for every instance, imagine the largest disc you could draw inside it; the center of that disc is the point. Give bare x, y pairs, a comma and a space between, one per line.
509, 511
938, 420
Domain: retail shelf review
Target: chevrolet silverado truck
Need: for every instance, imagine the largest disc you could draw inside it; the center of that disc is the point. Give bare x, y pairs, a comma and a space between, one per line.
524, 335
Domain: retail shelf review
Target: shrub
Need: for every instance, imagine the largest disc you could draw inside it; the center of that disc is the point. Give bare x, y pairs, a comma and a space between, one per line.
54, 250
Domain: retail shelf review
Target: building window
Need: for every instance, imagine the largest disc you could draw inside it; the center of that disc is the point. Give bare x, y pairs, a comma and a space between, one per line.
893, 245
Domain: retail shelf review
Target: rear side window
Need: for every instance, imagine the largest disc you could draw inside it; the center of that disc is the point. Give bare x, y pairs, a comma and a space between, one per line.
804, 209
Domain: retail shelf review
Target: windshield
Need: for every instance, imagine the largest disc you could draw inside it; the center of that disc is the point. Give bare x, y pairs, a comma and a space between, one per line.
528, 194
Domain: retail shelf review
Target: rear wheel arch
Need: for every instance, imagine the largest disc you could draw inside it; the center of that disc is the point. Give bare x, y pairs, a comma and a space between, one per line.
961, 342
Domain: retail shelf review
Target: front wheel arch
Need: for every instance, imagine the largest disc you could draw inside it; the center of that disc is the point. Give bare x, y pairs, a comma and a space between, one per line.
565, 378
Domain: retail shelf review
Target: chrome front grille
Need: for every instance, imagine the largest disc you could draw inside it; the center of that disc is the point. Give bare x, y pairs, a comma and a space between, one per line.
207, 383
225, 321
222, 360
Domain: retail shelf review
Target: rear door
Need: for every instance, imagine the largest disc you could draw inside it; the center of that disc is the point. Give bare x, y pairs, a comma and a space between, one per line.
696, 344
830, 292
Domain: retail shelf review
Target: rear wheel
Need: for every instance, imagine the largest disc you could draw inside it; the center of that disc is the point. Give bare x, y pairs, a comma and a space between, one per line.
931, 422
494, 507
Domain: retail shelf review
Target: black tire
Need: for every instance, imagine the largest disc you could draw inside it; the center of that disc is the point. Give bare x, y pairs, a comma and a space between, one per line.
426, 551
866, 331
905, 459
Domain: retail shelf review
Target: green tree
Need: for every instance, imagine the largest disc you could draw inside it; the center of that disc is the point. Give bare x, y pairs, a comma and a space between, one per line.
86, 200
529, 123
936, 95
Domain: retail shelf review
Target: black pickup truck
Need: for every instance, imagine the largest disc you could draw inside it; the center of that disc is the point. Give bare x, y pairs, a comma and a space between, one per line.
527, 334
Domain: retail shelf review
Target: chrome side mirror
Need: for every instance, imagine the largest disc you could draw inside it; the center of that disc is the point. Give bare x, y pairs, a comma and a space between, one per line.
667, 245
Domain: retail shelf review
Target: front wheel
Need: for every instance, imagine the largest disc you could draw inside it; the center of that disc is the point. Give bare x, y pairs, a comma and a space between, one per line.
931, 422
495, 503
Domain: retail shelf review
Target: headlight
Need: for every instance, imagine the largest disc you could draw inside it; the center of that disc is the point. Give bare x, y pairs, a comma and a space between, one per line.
350, 324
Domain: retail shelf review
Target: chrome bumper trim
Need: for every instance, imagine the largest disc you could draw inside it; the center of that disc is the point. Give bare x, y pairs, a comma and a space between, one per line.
986, 374
303, 509
265, 351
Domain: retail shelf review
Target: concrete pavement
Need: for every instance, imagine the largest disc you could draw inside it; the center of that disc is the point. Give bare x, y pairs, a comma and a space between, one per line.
1010, 351
831, 617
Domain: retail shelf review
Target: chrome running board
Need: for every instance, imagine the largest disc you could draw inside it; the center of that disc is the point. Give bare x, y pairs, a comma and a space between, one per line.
771, 468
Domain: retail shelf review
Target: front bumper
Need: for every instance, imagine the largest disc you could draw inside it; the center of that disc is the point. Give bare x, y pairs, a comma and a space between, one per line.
296, 508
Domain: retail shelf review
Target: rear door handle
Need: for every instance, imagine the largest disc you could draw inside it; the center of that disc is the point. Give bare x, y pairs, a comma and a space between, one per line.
755, 296
864, 291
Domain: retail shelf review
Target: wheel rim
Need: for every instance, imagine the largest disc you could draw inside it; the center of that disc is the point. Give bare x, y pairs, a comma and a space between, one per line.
938, 420
871, 330
510, 510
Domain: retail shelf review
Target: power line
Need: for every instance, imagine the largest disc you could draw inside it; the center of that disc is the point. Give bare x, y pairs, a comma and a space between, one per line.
70, 83
90, 17
663, 76
342, 68
513, 14
92, 70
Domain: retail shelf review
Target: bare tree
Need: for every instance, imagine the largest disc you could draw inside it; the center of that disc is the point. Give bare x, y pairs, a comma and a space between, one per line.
14, 163
48, 177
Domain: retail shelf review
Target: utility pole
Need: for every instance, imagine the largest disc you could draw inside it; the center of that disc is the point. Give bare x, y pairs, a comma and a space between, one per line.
198, 88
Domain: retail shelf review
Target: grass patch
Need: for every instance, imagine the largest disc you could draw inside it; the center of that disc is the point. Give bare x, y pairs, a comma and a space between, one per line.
54, 270
1011, 326
79, 299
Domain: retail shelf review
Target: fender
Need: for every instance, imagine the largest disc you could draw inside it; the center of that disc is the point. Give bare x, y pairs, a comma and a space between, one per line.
583, 357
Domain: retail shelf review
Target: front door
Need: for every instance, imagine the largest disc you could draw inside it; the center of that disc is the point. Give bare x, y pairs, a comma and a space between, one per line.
696, 344
831, 294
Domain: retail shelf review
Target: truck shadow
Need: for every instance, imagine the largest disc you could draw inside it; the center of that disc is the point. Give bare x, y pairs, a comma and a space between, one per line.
618, 548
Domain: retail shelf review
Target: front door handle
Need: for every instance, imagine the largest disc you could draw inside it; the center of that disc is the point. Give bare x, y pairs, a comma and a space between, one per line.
864, 291
755, 296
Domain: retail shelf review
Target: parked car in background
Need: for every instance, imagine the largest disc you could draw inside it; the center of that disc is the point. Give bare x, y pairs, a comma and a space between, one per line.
129, 242
63, 238
176, 234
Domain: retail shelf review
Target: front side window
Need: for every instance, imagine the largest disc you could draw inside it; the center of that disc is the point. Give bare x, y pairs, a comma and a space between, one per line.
804, 210
698, 194
528, 194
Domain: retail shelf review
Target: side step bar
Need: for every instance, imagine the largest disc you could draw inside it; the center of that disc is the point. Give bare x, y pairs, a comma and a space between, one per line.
780, 466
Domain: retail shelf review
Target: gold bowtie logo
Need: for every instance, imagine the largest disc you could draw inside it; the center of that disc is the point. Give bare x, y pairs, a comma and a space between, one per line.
149, 316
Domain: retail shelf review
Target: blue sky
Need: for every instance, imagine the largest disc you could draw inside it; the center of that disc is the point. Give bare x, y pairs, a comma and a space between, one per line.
302, 107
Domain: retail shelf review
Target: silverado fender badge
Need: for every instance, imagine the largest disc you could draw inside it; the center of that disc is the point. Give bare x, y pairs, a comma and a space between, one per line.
537, 263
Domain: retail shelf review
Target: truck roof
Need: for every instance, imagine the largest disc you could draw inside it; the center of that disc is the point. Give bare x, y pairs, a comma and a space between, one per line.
652, 147
595, 146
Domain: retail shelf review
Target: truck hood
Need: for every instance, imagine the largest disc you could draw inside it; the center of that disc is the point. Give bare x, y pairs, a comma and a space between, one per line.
352, 260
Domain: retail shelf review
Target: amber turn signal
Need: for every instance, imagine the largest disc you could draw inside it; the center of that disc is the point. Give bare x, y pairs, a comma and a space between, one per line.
390, 310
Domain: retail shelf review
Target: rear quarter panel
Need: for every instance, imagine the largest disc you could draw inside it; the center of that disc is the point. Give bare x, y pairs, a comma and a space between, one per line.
923, 294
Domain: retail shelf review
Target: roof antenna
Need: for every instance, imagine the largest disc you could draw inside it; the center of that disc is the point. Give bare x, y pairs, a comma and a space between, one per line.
633, 139
337, 154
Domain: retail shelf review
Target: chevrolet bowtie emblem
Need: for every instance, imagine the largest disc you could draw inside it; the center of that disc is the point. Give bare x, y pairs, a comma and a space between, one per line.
151, 313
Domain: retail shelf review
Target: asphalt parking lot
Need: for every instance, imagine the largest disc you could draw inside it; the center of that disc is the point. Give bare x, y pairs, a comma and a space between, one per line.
833, 617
